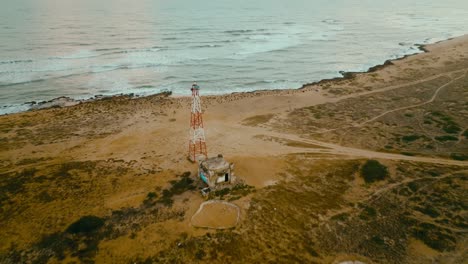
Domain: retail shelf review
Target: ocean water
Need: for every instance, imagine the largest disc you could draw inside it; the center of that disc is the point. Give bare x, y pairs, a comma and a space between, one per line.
82, 48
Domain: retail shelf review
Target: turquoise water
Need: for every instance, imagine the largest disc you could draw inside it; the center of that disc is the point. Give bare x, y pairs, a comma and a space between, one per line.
52, 48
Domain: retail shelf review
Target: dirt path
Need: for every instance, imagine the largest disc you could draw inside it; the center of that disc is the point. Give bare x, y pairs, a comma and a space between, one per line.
337, 149
392, 87
388, 88
334, 149
377, 194
434, 96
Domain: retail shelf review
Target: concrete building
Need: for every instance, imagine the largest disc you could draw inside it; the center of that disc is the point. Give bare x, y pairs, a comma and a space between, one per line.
216, 171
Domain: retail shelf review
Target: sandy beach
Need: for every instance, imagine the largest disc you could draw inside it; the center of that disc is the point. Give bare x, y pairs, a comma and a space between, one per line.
301, 150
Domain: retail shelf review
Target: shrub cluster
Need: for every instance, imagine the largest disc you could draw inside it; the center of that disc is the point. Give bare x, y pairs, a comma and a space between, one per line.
86, 224
185, 183
373, 171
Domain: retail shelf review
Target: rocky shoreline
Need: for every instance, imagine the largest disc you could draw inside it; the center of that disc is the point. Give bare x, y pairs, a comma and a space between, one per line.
65, 101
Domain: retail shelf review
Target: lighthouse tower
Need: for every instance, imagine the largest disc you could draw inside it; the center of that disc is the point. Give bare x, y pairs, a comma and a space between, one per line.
197, 144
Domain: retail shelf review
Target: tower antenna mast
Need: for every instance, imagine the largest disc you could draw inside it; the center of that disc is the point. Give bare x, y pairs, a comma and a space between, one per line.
197, 143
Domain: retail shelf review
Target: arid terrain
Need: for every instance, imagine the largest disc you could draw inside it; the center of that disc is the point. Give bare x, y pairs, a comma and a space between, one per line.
371, 167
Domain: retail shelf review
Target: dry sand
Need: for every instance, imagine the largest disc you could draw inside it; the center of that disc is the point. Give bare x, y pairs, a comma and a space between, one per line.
216, 214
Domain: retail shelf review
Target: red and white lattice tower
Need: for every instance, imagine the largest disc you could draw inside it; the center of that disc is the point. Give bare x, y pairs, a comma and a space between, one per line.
197, 144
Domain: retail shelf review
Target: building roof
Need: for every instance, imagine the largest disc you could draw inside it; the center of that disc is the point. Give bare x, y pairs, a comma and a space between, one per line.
215, 164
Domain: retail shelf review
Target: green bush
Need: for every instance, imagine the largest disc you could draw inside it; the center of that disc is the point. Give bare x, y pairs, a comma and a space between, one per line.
222, 192
377, 240
233, 193
446, 138
86, 224
410, 138
178, 187
451, 128
432, 212
242, 189
166, 198
427, 122
368, 213
150, 199
184, 184
459, 156
340, 217
57, 243
413, 186
434, 237
200, 254
373, 171
151, 195
447, 123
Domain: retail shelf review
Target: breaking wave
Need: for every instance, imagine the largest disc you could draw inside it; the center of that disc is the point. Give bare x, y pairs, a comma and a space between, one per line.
225, 47
15, 61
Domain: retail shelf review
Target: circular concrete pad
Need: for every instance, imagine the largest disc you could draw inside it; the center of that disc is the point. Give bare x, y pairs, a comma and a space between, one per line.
216, 214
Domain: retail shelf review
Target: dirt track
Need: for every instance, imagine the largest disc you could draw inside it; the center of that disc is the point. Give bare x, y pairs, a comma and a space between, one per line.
361, 153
